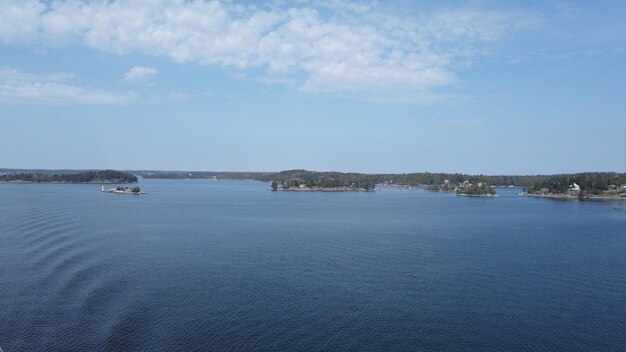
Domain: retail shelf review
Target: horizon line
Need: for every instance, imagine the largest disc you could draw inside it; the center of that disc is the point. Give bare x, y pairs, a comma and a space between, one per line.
274, 172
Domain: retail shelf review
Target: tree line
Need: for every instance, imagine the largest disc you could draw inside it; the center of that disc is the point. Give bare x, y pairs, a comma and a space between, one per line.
589, 182
560, 183
409, 179
101, 176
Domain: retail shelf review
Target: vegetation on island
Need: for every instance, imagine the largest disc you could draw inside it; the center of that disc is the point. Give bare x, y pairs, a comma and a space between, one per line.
465, 188
128, 189
581, 185
323, 184
300, 179
475, 189
101, 176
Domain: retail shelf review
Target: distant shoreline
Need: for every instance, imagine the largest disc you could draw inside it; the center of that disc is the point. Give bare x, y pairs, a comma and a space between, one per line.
88, 177
68, 183
321, 190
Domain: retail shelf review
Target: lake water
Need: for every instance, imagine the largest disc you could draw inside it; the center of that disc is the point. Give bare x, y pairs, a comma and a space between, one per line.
229, 265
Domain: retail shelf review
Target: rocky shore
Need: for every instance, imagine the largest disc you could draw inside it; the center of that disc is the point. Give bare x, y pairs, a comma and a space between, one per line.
565, 196
124, 190
477, 195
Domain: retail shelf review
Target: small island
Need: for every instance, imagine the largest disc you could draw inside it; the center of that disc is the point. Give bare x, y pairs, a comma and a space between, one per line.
124, 190
465, 188
480, 189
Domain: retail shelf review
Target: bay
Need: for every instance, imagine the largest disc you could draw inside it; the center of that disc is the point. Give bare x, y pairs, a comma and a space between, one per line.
197, 265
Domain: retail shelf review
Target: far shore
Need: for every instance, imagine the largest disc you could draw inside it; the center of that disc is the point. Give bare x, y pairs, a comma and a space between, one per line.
70, 183
323, 190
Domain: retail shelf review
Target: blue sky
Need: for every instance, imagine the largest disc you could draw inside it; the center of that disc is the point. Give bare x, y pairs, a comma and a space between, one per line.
395, 86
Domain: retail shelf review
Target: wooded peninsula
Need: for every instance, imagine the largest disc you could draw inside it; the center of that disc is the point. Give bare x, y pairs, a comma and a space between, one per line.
589, 185
100, 176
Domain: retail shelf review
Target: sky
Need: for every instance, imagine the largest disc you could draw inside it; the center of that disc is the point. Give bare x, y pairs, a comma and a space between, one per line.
480, 87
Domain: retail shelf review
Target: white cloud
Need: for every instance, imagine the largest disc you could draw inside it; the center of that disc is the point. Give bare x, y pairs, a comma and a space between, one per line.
18, 87
11, 74
20, 20
140, 74
327, 46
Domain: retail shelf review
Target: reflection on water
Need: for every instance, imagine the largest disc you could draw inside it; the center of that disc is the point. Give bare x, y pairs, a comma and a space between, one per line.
198, 265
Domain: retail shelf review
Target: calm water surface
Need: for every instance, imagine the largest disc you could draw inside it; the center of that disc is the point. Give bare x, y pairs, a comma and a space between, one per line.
229, 265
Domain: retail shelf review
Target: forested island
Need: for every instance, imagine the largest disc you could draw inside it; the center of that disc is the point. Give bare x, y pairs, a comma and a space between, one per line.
588, 185
323, 185
480, 189
465, 188
99, 176
124, 190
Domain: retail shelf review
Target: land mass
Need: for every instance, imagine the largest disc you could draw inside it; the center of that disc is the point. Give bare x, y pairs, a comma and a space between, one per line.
410, 179
322, 185
465, 188
480, 189
588, 185
99, 176
593, 185
124, 190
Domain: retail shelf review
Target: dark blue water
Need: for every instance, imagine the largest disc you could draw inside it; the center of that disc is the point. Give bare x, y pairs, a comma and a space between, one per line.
229, 265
